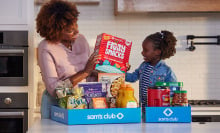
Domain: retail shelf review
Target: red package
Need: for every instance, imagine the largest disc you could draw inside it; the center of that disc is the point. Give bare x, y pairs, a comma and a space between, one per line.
114, 53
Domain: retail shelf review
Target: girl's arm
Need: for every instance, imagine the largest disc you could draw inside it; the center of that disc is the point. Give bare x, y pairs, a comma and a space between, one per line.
171, 77
132, 77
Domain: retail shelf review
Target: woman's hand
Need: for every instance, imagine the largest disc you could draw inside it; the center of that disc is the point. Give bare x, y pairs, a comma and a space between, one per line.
79, 76
128, 66
93, 77
91, 62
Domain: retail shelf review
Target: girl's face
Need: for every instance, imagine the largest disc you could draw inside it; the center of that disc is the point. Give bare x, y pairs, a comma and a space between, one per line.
70, 34
149, 53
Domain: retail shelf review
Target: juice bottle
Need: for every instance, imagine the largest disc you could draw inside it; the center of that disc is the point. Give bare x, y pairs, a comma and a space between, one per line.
129, 101
120, 95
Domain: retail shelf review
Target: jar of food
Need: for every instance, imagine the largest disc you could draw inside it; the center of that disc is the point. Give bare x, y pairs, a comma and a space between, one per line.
180, 98
129, 101
159, 96
174, 86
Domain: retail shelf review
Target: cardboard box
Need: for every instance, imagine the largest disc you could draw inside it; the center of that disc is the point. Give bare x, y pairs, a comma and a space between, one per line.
95, 116
111, 82
168, 114
114, 53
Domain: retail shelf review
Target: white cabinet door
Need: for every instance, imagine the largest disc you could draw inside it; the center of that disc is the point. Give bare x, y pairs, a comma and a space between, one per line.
13, 11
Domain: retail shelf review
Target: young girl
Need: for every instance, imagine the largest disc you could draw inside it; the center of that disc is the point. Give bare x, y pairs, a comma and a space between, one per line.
156, 48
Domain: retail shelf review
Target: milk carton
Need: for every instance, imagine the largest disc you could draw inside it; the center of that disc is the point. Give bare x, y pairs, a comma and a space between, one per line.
114, 53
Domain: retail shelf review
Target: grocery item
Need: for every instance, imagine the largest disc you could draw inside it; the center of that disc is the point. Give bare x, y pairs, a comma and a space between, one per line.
62, 102
129, 101
111, 102
180, 98
114, 53
159, 96
120, 95
111, 82
76, 101
63, 89
98, 103
60, 92
174, 86
92, 89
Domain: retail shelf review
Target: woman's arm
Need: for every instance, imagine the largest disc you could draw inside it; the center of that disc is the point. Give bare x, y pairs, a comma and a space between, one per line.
76, 78
48, 71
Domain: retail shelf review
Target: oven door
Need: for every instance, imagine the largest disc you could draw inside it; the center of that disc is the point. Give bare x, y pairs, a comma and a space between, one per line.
13, 67
12, 122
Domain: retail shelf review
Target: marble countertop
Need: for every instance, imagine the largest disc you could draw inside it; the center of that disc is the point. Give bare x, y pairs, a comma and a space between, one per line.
49, 126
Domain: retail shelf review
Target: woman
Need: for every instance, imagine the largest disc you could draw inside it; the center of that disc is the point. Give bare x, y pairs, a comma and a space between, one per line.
63, 55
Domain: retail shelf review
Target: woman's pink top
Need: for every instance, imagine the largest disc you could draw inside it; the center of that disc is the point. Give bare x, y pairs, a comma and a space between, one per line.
58, 63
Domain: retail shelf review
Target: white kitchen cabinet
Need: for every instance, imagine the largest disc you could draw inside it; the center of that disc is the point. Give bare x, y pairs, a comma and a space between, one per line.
13, 12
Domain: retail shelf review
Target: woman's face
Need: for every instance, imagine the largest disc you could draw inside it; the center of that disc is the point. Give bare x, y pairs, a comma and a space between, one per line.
70, 33
149, 53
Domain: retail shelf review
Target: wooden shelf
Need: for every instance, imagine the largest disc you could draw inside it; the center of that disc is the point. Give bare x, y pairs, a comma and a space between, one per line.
142, 6
78, 2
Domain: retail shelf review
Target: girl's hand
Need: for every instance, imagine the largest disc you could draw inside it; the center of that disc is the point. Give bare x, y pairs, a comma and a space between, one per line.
128, 66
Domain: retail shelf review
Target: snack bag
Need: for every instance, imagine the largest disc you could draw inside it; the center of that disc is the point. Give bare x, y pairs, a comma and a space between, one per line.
76, 101
92, 89
114, 53
62, 102
63, 89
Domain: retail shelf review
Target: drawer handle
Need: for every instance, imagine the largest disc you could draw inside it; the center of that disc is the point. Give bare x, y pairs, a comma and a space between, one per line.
11, 114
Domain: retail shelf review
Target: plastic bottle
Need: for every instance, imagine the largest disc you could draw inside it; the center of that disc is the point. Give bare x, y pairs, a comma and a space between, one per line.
120, 95
129, 101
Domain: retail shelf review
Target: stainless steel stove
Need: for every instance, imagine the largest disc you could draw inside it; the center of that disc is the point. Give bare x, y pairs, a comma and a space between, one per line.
205, 110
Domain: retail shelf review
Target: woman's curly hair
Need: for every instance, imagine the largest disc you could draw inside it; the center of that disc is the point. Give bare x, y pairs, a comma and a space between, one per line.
164, 41
54, 17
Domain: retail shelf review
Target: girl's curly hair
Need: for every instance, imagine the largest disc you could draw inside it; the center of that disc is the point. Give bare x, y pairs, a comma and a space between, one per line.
54, 17
164, 41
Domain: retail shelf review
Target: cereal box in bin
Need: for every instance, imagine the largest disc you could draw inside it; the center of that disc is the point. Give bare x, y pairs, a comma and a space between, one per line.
114, 53
111, 82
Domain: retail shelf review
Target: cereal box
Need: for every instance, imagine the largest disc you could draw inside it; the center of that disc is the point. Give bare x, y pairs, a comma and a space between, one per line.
114, 53
92, 89
111, 82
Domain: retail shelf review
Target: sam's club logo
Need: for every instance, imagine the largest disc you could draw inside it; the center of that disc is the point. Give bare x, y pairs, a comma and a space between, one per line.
59, 115
167, 118
167, 112
107, 116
